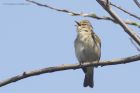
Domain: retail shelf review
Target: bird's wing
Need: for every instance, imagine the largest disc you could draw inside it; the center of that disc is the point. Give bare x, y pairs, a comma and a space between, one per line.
97, 42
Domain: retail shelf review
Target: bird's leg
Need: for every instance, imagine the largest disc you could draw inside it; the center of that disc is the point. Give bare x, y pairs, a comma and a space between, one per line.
83, 68
96, 62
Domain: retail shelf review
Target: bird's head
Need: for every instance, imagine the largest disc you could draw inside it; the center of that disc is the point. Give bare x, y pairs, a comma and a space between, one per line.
84, 26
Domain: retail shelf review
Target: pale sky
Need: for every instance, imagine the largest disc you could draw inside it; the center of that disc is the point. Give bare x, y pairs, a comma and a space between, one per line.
34, 37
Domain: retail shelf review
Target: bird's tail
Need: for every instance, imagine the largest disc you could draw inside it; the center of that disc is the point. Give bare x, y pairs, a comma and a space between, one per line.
88, 81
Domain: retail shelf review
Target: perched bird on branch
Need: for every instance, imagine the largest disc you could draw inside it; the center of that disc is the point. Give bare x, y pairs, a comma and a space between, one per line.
87, 49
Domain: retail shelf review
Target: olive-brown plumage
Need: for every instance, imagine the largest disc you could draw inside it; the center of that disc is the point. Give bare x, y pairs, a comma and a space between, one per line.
87, 48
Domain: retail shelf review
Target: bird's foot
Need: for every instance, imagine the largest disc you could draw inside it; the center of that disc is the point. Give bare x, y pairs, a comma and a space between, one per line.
81, 64
97, 65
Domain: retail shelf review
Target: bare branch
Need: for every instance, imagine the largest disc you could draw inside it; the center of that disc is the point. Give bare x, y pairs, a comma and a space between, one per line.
11, 3
137, 3
131, 14
132, 41
92, 15
78, 66
67, 67
132, 23
129, 31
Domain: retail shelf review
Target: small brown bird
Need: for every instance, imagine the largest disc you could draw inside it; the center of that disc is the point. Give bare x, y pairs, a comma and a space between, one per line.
87, 49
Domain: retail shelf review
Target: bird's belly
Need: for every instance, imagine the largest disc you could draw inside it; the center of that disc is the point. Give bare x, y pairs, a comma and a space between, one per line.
87, 53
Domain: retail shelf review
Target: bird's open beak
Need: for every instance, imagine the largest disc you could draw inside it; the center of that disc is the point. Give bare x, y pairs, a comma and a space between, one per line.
77, 23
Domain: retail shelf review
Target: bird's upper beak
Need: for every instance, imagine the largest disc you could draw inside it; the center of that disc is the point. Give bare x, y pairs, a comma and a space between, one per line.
77, 23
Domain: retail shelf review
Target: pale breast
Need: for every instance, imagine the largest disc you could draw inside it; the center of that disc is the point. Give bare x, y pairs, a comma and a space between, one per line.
86, 50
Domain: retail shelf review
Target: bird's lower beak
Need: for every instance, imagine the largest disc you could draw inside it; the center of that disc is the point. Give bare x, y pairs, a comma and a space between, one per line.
77, 23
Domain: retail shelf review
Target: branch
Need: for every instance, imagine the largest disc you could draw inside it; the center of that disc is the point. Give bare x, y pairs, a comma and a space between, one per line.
92, 15
137, 3
131, 14
67, 67
129, 31
75, 66
137, 47
132, 23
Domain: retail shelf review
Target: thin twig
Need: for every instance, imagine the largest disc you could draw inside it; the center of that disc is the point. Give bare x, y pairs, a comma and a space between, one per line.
92, 15
137, 3
132, 23
131, 14
67, 67
132, 41
129, 31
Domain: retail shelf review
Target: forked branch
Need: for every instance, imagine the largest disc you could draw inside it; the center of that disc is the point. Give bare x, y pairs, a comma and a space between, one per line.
126, 11
78, 66
129, 31
91, 15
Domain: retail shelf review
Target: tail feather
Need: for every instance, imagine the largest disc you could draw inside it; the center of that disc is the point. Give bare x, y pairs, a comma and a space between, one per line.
88, 81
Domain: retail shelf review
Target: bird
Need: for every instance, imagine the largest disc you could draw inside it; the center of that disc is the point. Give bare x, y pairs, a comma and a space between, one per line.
87, 49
